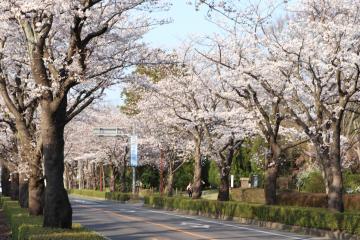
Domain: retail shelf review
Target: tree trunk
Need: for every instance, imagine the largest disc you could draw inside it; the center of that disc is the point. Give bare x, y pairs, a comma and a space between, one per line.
81, 174
123, 174
224, 193
23, 191
170, 184
197, 191
112, 178
335, 183
271, 174
66, 176
31, 194
14, 193
270, 184
5, 181
36, 196
334, 178
57, 211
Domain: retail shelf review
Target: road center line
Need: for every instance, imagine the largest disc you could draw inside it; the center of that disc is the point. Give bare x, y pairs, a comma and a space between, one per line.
220, 223
226, 224
152, 223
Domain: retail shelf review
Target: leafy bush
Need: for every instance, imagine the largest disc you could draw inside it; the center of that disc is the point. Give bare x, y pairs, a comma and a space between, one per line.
88, 193
313, 183
351, 182
24, 227
214, 175
184, 175
149, 176
298, 216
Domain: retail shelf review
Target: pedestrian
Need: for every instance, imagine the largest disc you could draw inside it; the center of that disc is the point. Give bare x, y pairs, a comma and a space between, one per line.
189, 189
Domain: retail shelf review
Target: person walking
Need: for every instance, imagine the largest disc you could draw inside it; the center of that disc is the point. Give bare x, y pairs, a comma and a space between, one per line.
189, 189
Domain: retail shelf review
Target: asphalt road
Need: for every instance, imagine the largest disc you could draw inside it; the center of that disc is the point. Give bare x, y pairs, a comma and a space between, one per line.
133, 221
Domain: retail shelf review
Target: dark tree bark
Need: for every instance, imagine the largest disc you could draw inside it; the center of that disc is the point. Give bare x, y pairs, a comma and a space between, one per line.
226, 155
123, 172
5, 181
23, 191
57, 211
14, 192
197, 188
224, 193
271, 173
113, 174
334, 177
36, 196
170, 184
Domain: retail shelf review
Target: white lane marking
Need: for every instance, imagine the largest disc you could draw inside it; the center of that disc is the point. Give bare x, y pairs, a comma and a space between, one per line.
194, 225
231, 225
82, 201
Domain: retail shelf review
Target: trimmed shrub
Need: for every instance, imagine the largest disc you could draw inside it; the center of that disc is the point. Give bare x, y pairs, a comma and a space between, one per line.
352, 202
121, 197
18, 220
27, 231
298, 216
291, 198
88, 193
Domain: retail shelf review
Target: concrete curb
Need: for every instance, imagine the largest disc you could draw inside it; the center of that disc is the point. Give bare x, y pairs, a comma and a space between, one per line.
326, 234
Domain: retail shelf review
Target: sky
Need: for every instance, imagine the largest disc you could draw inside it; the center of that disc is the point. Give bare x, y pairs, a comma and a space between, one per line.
186, 22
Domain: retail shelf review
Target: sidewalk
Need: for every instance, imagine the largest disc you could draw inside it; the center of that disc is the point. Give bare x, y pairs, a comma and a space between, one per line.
4, 228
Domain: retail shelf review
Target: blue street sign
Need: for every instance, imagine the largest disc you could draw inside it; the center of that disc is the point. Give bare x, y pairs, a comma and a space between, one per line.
133, 151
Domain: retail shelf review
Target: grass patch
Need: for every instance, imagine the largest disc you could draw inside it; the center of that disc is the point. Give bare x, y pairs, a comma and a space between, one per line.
24, 227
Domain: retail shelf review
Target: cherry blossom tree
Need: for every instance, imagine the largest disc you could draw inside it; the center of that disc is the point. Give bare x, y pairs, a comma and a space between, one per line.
74, 49
161, 144
186, 102
18, 111
84, 149
321, 44
313, 57
248, 67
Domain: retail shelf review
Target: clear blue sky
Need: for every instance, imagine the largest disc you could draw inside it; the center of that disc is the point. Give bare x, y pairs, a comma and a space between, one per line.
186, 21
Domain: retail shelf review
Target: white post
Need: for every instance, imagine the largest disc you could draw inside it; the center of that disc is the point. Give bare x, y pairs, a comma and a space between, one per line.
133, 180
232, 181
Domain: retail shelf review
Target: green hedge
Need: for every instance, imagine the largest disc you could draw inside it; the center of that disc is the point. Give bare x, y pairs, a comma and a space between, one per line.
28, 231
24, 227
117, 196
122, 197
304, 217
88, 193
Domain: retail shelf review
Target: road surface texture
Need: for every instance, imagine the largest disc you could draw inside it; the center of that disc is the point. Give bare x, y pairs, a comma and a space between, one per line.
133, 221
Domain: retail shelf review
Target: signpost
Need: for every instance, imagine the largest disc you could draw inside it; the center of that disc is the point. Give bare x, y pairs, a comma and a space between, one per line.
119, 132
133, 160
